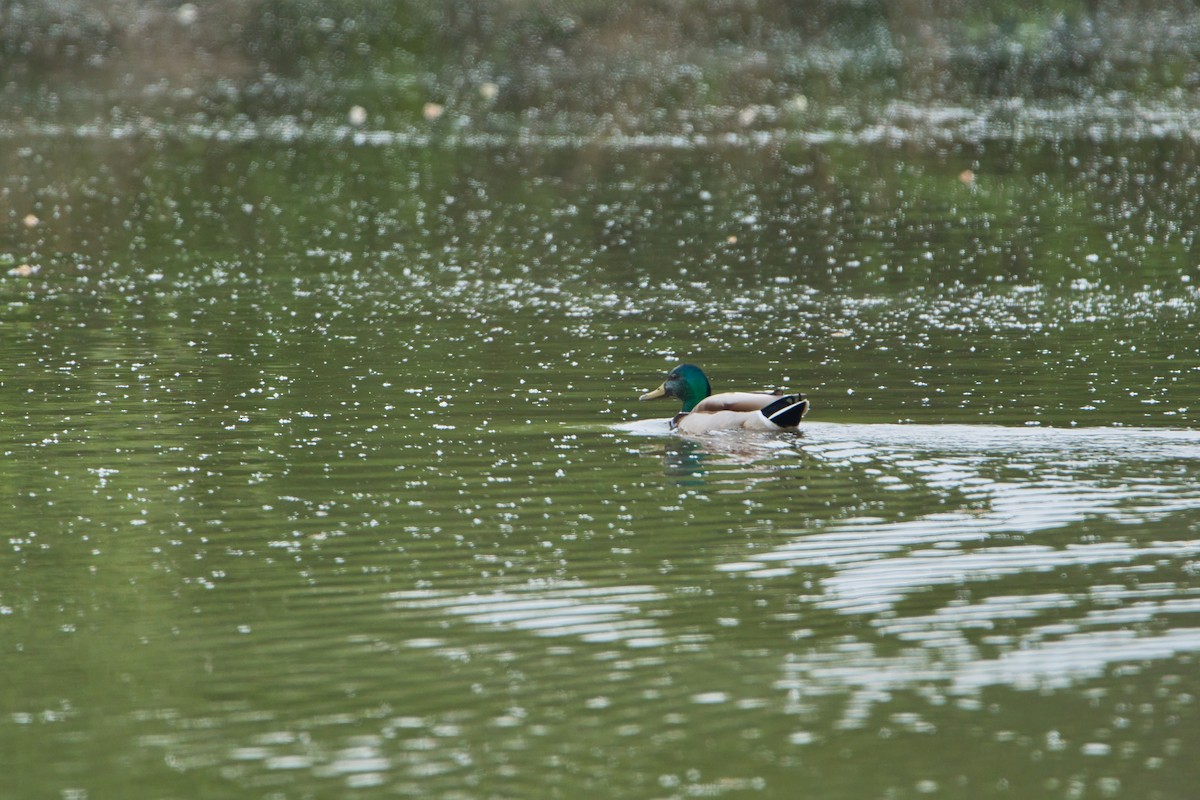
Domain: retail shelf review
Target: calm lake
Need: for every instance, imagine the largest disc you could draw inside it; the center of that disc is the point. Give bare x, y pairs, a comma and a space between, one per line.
324, 473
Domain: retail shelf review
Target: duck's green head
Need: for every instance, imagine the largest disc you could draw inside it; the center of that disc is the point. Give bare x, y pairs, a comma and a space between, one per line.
686, 383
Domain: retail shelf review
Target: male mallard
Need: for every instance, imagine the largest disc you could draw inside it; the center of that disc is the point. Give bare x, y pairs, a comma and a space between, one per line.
704, 411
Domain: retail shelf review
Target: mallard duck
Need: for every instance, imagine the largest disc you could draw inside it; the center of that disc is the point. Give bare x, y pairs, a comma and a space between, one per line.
704, 411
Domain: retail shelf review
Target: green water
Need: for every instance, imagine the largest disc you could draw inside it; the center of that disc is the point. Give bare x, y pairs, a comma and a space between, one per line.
324, 473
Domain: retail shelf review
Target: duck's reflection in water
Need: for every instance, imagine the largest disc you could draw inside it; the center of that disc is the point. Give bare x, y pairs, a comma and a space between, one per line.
689, 459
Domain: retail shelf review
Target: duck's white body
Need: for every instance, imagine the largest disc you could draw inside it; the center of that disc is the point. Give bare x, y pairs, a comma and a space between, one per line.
750, 411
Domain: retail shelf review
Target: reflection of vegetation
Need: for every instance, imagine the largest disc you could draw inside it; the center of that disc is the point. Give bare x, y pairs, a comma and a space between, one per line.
631, 65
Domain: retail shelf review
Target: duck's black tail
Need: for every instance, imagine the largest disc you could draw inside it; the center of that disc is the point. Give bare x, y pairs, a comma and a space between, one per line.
786, 412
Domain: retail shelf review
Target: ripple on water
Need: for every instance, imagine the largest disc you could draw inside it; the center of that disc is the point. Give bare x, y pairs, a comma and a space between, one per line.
554, 609
879, 561
893, 571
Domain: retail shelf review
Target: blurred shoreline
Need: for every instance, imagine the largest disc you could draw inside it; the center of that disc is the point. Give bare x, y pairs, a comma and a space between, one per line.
702, 71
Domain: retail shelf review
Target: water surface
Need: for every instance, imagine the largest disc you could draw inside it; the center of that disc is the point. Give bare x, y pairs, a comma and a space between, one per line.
324, 473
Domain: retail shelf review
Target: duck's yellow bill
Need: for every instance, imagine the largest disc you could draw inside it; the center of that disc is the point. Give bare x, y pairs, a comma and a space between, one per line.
661, 391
